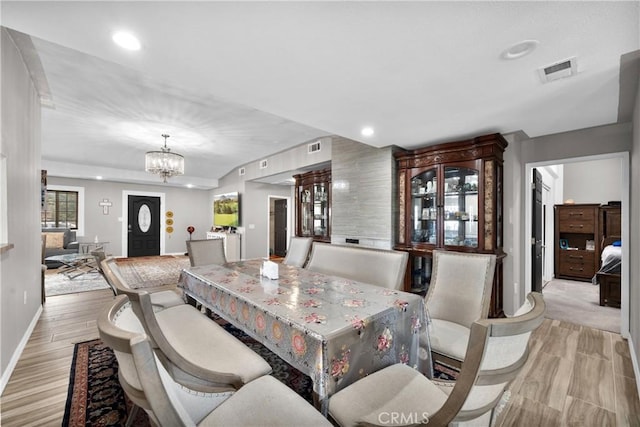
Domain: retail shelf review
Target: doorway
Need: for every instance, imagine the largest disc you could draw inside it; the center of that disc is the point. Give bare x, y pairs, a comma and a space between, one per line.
279, 226
580, 299
142, 223
143, 236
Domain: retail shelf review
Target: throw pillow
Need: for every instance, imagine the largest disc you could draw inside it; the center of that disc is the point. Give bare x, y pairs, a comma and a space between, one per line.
55, 240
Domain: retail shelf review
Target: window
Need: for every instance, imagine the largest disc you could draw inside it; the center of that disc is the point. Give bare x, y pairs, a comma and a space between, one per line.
61, 209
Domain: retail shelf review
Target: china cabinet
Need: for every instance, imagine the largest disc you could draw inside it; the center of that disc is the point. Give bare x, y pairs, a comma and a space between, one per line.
313, 205
450, 198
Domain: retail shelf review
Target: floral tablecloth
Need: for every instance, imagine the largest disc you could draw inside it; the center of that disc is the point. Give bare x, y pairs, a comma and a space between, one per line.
333, 329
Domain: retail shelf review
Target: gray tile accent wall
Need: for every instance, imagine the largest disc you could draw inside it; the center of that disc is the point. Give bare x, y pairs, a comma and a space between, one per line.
363, 194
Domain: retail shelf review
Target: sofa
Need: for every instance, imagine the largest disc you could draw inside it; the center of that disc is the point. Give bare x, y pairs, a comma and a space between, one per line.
60, 241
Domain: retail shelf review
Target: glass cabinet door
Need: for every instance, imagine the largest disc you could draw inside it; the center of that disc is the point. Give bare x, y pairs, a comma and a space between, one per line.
424, 214
305, 211
460, 206
320, 210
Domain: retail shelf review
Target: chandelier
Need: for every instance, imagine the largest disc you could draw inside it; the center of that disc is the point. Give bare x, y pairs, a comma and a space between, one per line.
164, 163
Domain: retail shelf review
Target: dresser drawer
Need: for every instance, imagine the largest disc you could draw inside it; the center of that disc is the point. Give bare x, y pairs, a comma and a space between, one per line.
577, 220
577, 257
577, 263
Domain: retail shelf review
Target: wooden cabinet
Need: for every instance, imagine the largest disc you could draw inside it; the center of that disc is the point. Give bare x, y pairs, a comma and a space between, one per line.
450, 197
577, 245
313, 205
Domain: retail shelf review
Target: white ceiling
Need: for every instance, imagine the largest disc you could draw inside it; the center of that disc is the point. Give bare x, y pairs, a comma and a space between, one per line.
232, 82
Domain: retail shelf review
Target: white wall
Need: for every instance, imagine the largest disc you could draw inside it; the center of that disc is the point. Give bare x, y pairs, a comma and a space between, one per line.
634, 226
20, 267
189, 206
596, 181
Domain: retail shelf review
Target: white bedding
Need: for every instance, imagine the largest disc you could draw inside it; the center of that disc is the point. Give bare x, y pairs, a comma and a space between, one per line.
611, 257
615, 252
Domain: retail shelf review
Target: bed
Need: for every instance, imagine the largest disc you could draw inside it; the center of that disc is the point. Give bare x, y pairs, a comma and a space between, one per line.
608, 276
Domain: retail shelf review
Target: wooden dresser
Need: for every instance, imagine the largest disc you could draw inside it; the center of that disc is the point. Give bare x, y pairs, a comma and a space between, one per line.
577, 246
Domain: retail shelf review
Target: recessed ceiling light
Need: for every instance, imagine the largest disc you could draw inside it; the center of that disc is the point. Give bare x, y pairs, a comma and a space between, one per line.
126, 40
98, 177
520, 49
189, 185
367, 131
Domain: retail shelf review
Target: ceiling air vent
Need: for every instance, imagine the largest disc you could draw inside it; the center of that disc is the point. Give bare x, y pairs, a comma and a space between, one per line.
241, 171
559, 70
263, 164
314, 147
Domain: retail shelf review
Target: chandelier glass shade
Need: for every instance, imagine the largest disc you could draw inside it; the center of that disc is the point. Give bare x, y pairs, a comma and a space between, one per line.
164, 163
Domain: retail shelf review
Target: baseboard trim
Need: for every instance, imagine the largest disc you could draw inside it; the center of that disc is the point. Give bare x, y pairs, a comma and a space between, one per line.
18, 352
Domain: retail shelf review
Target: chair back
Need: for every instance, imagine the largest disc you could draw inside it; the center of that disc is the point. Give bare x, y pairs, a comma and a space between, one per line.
378, 267
497, 351
460, 288
117, 326
206, 251
138, 370
298, 251
114, 278
113, 275
99, 256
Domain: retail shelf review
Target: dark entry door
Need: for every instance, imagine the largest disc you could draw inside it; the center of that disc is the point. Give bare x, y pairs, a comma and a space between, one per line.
144, 226
536, 233
280, 227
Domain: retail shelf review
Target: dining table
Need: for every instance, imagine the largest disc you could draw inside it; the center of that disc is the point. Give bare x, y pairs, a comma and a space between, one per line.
333, 329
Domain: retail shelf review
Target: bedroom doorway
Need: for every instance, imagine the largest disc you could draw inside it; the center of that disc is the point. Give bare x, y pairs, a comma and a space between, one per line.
572, 300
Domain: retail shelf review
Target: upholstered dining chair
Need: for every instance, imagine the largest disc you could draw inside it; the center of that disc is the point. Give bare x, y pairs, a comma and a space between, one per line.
161, 297
298, 251
99, 256
203, 252
195, 350
264, 401
379, 267
497, 351
206, 251
458, 295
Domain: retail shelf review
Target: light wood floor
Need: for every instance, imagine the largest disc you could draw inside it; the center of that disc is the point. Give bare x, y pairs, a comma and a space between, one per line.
575, 376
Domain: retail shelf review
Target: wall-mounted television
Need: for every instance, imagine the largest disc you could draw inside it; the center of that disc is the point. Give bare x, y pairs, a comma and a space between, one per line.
226, 210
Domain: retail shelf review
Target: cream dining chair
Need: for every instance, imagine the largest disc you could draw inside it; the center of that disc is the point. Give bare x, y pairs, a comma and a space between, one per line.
400, 395
458, 295
206, 251
298, 251
195, 350
161, 297
264, 401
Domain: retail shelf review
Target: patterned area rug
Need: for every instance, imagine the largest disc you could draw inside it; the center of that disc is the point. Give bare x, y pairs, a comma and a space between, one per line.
95, 397
140, 272
59, 284
151, 272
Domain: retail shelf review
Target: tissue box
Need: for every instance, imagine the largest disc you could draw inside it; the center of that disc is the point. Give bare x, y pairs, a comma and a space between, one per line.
270, 269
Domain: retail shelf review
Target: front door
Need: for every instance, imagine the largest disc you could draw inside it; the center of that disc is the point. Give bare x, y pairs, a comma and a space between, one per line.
280, 227
143, 234
536, 233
